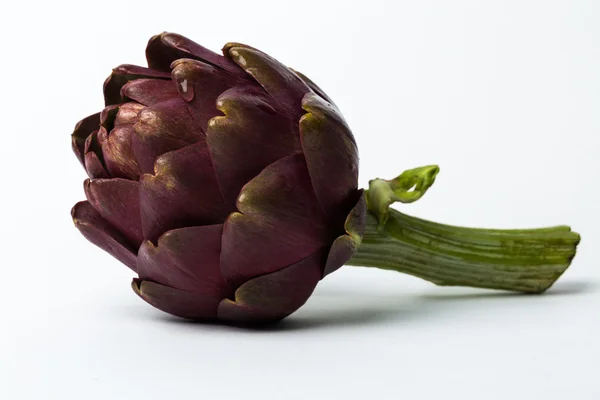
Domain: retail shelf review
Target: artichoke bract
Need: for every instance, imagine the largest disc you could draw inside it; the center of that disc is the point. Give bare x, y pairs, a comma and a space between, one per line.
227, 183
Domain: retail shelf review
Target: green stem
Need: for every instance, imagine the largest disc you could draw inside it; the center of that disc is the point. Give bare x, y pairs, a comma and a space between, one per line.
523, 260
528, 260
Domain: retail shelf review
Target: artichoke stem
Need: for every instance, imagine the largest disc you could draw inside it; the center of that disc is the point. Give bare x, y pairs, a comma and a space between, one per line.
528, 260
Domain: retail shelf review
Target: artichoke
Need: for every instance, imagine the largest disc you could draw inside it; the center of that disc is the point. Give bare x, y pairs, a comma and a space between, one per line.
228, 184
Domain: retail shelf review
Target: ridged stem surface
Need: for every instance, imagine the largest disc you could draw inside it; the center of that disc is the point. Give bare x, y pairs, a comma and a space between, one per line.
528, 260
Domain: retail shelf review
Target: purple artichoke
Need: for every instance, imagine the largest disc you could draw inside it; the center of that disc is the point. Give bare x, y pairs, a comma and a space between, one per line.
227, 183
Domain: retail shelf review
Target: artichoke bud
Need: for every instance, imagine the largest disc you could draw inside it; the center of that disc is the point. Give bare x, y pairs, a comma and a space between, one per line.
210, 177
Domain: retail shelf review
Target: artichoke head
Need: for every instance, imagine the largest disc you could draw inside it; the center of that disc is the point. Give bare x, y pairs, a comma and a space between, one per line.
228, 184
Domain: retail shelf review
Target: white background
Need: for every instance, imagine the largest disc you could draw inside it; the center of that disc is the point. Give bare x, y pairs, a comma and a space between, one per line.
503, 95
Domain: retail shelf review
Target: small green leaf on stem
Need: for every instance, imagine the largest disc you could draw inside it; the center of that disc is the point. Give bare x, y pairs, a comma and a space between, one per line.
408, 187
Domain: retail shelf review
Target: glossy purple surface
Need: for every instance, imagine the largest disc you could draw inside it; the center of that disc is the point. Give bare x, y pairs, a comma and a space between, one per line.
228, 183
